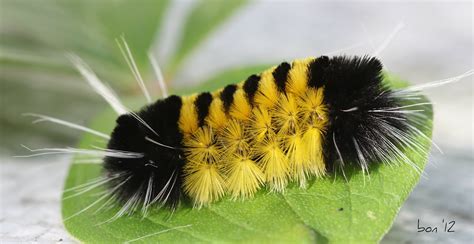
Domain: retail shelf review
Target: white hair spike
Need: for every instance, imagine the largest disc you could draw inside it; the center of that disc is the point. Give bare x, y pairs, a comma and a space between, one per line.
41, 118
389, 39
158, 74
437, 83
127, 54
96, 84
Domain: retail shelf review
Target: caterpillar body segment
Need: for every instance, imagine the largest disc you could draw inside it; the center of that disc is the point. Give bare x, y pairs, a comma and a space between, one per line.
287, 124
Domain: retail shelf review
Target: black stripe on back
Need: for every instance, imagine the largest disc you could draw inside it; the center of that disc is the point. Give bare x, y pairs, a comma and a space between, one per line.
251, 87
202, 103
280, 75
316, 72
227, 96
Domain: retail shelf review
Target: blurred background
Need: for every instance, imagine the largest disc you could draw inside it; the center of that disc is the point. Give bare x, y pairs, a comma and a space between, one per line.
195, 41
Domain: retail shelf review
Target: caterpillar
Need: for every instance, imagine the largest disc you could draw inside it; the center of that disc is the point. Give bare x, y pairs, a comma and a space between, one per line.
291, 123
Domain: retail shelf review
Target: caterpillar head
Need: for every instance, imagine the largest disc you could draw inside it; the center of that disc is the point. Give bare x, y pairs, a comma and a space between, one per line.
155, 177
363, 112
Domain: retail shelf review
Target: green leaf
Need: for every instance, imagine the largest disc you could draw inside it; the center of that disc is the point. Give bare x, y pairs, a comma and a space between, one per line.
222, 79
36, 76
360, 210
203, 19
138, 21
48, 28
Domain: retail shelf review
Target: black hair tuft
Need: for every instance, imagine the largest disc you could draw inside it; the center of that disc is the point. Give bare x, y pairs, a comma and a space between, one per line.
160, 166
354, 92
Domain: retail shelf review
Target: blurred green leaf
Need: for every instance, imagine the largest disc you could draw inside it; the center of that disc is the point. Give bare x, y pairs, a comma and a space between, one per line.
36, 76
222, 79
138, 21
48, 28
360, 210
204, 18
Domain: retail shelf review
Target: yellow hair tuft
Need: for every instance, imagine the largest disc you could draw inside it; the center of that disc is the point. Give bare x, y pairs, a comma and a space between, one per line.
202, 146
203, 182
261, 124
313, 110
298, 76
267, 94
274, 163
217, 118
312, 143
261, 136
298, 158
286, 115
188, 119
234, 138
240, 108
244, 177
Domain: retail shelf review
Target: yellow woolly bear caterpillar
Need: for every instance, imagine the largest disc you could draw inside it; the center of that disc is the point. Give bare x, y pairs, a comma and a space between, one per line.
288, 123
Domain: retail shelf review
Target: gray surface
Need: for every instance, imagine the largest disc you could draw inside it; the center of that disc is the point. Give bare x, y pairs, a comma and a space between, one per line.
446, 193
436, 43
30, 202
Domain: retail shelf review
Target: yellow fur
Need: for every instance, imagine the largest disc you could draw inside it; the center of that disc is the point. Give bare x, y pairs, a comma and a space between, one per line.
244, 177
203, 182
277, 140
240, 108
286, 115
314, 121
188, 121
202, 146
312, 108
234, 138
312, 145
267, 94
298, 158
216, 118
298, 76
274, 163
261, 124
